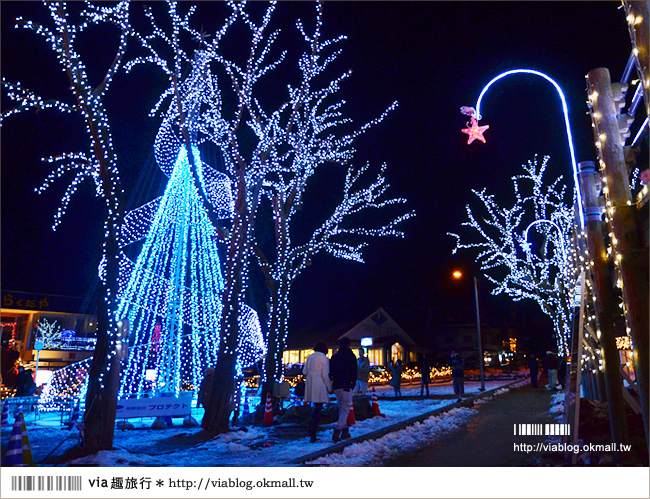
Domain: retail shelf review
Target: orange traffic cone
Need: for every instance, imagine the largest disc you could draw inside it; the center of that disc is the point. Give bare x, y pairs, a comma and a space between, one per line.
268, 413
351, 419
375, 404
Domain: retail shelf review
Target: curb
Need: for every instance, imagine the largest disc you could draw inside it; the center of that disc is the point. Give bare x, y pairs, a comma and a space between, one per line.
468, 402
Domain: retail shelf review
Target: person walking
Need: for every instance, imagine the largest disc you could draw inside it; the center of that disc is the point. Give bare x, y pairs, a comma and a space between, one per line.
343, 371
550, 365
363, 371
457, 374
396, 377
425, 375
317, 385
533, 366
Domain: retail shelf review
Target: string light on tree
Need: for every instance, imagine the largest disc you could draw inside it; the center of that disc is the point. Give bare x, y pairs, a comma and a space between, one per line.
548, 278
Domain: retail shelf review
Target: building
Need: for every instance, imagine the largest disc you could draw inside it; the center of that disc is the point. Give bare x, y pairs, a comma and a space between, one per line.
65, 335
383, 339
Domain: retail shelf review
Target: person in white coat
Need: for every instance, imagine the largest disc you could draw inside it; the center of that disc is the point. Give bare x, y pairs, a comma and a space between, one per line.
317, 385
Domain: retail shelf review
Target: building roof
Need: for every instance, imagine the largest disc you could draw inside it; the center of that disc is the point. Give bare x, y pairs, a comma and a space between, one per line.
378, 325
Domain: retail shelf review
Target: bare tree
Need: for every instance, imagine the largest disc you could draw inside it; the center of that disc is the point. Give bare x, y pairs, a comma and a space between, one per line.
507, 257
97, 163
269, 151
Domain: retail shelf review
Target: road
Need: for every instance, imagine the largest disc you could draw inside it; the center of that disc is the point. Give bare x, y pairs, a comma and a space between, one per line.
487, 440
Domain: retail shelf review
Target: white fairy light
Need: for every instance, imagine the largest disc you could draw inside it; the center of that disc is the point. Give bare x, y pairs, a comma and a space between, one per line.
549, 279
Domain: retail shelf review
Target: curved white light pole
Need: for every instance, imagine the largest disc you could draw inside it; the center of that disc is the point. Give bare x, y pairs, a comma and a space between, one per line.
526, 245
566, 122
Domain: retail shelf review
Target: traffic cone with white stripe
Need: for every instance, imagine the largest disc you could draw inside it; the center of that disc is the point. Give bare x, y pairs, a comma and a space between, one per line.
375, 404
28, 460
14, 454
268, 413
18, 452
5, 415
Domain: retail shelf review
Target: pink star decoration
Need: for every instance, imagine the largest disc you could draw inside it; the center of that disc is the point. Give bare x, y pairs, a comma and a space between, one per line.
475, 132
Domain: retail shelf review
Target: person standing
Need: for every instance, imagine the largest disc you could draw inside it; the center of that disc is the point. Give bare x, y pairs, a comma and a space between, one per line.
363, 371
425, 375
457, 374
396, 377
317, 385
343, 371
550, 365
533, 366
25, 385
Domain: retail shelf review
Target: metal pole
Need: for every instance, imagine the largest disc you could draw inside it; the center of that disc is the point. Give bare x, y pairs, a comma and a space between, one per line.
478, 332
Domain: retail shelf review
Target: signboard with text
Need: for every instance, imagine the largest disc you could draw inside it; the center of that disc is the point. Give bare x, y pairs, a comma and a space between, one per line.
155, 406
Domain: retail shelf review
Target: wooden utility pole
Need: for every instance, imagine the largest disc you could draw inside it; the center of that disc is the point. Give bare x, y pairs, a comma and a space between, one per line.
638, 22
606, 303
627, 251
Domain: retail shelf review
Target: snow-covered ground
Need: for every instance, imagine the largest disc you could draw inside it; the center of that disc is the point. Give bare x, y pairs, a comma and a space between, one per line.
264, 446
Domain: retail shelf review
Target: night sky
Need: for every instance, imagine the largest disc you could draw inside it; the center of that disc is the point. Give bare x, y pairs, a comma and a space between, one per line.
433, 57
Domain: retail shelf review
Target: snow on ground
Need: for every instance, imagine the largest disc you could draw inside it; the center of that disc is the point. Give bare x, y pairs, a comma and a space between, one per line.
261, 446
557, 405
379, 451
376, 452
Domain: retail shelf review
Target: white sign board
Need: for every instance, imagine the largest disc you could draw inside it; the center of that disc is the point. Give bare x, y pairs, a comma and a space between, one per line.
155, 406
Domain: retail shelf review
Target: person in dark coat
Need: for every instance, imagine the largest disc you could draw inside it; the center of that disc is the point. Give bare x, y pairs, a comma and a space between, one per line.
533, 366
343, 371
425, 373
396, 377
25, 385
457, 374
561, 371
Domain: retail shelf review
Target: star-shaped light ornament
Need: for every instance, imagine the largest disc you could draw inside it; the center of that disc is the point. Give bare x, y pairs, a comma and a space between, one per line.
475, 132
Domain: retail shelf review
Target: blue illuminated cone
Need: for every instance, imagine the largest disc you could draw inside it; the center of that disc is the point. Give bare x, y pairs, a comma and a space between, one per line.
5, 415
14, 454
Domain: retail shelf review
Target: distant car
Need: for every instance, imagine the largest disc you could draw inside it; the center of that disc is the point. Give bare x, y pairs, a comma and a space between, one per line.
378, 369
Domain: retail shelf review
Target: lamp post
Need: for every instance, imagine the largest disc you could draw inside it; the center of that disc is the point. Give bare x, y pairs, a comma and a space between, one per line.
457, 274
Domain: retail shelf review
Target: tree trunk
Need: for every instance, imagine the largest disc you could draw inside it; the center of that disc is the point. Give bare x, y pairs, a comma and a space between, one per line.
217, 413
105, 370
278, 329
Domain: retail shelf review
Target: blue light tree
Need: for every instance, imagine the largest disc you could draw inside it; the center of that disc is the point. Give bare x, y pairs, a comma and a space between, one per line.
546, 273
171, 295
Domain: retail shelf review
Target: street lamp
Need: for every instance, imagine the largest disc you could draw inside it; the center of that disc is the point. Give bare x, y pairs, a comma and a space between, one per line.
457, 274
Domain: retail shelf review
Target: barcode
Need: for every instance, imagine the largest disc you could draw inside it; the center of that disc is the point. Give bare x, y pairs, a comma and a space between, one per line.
45, 483
542, 429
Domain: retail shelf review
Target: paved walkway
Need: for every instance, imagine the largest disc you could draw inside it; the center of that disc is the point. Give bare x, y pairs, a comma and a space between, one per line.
488, 439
